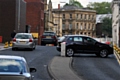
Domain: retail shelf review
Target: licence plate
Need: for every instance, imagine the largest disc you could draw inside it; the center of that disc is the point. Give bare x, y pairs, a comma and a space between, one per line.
23, 42
48, 37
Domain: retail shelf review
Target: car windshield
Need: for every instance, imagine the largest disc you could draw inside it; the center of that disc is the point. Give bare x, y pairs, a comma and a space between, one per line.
49, 33
12, 65
19, 36
61, 38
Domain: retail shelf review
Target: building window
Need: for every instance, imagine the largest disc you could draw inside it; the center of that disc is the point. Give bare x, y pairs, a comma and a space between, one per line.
63, 16
92, 17
70, 26
85, 16
81, 26
77, 26
81, 16
70, 16
77, 16
85, 26
89, 16
89, 27
63, 26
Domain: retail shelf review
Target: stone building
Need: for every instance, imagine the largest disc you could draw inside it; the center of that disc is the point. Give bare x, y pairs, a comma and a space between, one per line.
116, 21
77, 20
12, 17
49, 24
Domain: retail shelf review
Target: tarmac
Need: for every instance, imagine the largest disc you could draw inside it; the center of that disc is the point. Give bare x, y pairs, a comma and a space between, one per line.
59, 68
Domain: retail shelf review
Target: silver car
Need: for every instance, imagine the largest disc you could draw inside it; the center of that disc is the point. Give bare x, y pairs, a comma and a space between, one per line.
23, 40
14, 68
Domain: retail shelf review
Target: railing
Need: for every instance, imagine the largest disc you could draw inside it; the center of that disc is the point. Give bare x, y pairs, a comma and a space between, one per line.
117, 53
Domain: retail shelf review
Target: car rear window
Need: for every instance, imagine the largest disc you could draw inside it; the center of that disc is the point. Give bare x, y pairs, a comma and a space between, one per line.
48, 33
12, 65
23, 36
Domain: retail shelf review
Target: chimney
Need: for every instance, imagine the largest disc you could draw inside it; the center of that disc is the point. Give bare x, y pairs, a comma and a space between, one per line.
58, 6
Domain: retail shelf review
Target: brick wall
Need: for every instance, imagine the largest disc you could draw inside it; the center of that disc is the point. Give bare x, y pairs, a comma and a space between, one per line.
35, 16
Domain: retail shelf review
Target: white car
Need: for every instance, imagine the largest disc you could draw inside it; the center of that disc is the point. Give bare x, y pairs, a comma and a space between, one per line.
15, 68
23, 40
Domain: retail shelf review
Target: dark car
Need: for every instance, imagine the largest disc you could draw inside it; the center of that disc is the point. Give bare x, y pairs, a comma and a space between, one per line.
84, 44
15, 68
49, 37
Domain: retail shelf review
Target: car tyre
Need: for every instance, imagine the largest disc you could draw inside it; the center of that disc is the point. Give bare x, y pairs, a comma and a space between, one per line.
103, 53
69, 52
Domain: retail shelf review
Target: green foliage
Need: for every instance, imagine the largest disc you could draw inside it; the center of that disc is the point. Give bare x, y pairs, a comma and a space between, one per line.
101, 8
107, 26
75, 3
78, 4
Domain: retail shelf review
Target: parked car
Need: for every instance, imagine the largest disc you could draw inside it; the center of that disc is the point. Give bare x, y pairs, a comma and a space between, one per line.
24, 40
49, 37
84, 44
15, 68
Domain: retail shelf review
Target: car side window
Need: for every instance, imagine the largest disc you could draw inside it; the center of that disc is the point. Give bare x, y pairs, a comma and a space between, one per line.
78, 39
70, 39
89, 40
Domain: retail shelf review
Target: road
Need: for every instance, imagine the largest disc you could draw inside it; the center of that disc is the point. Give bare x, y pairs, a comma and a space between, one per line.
90, 67
39, 58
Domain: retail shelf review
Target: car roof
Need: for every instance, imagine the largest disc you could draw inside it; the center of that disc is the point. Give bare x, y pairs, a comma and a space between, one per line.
13, 57
78, 35
49, 31
25, 33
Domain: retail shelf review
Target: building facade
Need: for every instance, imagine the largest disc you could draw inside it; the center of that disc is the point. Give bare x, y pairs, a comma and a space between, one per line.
77, 21
116, 22
35, 17
12, 17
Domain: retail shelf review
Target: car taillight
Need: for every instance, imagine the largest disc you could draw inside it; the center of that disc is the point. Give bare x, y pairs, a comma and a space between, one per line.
43, 36
54, 37
14, 40
30, 40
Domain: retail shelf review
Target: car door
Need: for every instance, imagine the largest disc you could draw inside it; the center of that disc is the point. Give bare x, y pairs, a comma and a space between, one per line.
89, 45
78, 43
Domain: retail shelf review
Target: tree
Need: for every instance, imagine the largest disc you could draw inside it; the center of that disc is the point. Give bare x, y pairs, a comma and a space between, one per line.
107, 26
75, 3
101, 8
78, 4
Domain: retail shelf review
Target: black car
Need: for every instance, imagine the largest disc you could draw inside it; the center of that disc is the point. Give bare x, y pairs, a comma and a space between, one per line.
49, 37
84, 44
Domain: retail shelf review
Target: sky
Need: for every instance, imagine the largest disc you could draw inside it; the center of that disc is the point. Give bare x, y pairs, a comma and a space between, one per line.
83, 2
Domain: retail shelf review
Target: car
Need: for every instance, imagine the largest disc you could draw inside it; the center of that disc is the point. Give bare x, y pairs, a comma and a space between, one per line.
23, 40
15, 68
84, 44
49, 37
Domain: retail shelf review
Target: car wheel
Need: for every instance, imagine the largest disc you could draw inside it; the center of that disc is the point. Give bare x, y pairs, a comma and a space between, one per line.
103, 53
69, 52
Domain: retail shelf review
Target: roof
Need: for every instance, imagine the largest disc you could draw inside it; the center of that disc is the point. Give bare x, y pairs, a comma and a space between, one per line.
12, 57
100, 17
72, 7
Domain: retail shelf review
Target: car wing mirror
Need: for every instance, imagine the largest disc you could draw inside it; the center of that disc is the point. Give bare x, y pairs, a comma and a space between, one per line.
32, 70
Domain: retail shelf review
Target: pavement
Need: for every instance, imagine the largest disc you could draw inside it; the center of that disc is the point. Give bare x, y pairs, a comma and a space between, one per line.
59, 68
